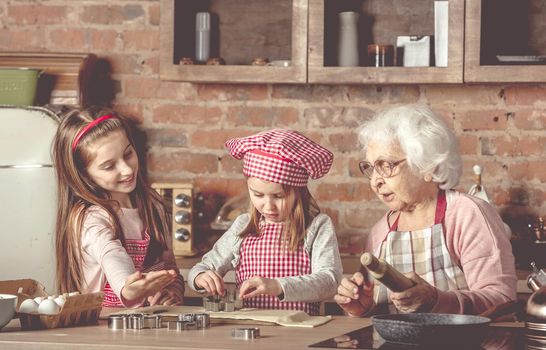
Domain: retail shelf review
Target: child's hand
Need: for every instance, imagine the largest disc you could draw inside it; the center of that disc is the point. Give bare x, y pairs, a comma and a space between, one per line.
168, 296
139, 285
211, 281
259, 285
354, 295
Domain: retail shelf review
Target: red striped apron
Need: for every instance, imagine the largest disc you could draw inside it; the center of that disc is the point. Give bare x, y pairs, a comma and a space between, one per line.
266, 256
137, 249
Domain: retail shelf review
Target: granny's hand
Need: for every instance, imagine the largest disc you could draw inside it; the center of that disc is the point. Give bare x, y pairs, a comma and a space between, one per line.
355, 295
259, 285
169, 296
211, 281
420, 298
140, 285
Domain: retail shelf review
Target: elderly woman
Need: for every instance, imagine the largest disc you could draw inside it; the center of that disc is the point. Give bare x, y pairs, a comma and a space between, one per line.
451, 245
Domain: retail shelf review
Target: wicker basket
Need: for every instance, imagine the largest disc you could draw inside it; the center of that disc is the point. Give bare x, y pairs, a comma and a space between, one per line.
78, 309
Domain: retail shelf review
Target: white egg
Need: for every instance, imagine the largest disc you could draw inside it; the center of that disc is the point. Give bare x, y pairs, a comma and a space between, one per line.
28, 306
48, 307
60, 300
52, 297
38, 300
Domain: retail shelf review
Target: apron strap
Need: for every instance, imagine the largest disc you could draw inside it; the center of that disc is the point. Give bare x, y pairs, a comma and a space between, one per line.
441, 205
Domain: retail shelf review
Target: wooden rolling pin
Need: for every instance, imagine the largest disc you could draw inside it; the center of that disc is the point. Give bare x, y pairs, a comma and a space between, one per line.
391, 278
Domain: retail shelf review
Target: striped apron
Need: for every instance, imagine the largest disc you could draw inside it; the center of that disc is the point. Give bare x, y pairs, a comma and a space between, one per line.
137, 249
424, 252
267, 255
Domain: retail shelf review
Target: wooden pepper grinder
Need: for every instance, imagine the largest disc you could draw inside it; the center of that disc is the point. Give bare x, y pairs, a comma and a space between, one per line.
391, 278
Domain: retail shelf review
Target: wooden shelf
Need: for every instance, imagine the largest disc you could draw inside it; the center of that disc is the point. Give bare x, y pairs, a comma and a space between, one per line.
259, 42
310, 43
501, 35
320, 72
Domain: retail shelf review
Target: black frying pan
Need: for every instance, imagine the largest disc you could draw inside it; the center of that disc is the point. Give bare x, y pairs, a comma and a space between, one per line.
443, 330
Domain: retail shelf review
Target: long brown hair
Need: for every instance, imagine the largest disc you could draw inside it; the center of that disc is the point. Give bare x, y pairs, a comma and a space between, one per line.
298, 218
76, 193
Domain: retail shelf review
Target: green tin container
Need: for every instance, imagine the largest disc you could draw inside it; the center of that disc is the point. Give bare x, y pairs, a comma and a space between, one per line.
18, 86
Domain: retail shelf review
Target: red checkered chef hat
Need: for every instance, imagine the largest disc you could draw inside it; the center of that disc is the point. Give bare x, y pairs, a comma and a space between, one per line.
281, 156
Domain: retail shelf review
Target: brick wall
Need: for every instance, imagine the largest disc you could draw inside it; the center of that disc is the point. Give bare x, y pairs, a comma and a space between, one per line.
500, 127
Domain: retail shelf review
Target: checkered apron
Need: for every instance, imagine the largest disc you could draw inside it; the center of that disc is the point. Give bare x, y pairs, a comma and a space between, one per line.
424, 252
137, 249
265, 255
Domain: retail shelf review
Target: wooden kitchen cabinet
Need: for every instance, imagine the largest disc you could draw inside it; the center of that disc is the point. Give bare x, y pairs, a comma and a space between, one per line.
380, 23
503, 38
241, 31
305, 32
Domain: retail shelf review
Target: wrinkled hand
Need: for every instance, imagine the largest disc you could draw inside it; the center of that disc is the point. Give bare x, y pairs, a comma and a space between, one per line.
258, 286
169, 296
355, 295
211, 281
420, 298
140, 285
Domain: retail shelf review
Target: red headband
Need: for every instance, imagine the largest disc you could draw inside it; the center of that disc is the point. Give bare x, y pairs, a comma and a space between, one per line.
87, 128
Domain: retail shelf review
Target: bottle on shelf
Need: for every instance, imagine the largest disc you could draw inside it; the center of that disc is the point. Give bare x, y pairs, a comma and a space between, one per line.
202, 37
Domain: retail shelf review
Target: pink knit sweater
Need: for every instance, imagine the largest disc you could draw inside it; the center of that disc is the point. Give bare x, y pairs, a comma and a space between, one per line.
476, 238
105, 258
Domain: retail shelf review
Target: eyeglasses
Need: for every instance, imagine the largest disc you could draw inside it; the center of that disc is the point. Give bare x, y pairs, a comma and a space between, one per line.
383, 167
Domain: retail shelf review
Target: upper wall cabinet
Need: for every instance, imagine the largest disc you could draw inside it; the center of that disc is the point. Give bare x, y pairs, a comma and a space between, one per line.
383, 22
241, 33
505, 41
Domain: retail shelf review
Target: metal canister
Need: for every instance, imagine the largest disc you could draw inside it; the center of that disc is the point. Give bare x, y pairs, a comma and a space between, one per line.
117, 322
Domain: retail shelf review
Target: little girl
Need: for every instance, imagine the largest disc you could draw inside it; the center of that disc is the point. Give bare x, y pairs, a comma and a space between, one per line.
111, 226
284, 252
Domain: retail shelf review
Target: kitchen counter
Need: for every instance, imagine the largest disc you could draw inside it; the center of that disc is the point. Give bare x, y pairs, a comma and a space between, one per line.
217, 337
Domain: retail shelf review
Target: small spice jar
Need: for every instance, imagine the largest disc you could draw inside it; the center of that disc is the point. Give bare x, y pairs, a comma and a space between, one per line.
184, 61
260, 61
380, 55
216, 61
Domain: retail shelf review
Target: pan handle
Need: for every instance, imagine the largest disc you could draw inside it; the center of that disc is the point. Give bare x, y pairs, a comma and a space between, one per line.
501, 312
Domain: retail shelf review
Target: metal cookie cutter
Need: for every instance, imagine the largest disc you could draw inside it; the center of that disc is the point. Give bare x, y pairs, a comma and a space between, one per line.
117, 322
201, 320
151, 321
181, 325
135, 321
245, 333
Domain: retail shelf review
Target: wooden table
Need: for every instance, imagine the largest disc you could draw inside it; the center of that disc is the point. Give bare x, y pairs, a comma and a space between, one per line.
217, 337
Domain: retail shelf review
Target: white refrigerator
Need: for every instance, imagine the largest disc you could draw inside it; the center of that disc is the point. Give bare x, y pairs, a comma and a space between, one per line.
27, 195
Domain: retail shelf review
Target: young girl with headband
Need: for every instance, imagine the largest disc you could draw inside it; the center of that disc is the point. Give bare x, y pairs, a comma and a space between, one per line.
111, 231
284, 251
